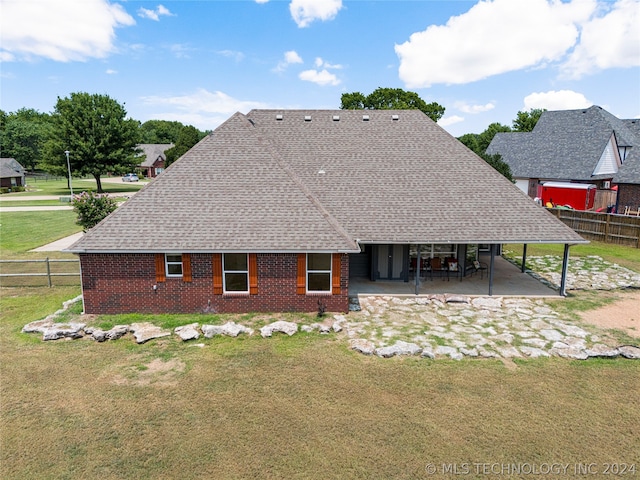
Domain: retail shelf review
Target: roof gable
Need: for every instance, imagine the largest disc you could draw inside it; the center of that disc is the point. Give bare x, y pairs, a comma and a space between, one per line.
609, 160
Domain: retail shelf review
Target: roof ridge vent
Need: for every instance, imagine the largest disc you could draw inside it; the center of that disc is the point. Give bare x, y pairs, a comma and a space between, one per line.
307, 118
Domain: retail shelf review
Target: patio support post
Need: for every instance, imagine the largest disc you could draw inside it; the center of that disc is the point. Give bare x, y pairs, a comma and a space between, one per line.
524, 258
493, 256
565, 269
417, 268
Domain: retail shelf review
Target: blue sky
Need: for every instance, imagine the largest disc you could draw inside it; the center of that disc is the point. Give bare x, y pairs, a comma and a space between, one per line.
199, 62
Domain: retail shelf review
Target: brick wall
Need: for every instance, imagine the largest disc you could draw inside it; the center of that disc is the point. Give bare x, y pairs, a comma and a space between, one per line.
123, 283
628, 195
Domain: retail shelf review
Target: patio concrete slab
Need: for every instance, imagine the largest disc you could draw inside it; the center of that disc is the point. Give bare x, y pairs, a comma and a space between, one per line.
508, 280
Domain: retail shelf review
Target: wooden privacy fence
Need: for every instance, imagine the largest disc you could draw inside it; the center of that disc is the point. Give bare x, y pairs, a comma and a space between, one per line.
603, 227
30, 270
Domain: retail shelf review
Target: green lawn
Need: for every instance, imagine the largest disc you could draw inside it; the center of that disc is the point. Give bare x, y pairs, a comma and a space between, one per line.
292, 407
23, 231
300, 407
59, 186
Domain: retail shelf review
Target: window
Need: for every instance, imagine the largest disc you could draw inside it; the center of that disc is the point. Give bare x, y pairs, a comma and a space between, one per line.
236, 272
318, 272
173, 264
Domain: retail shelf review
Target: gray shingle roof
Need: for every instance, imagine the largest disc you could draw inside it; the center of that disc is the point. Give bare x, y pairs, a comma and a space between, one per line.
152, 151
273, 181
566, 145
9, 167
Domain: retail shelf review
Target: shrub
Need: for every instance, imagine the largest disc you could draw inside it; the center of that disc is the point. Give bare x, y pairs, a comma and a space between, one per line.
92, 208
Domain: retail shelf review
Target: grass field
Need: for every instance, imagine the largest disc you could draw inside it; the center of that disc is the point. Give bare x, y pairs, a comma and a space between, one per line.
59, 186
298, 407
301, 407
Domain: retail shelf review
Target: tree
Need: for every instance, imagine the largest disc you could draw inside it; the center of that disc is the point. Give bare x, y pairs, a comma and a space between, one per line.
391, 99
95, 132
525, 121
485, 138
160, 131
478, 143
496, 162
92, 208
23, 135
187, 138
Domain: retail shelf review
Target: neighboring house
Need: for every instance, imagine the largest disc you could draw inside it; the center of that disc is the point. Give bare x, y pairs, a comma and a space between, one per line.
584, 146
154, 158
276, 210
11, 173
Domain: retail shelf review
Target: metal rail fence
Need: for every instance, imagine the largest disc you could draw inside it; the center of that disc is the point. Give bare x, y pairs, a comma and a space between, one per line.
48, 273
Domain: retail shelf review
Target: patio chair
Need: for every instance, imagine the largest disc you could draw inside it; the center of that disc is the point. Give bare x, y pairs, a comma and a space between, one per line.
436, 266
479, 267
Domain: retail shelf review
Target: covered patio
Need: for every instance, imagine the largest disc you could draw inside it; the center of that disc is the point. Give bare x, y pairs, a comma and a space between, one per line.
508, 280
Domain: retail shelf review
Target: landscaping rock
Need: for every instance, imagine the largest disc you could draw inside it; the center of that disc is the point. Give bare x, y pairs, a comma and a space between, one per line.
600, 350
63, 330
457, 299
280, 326
427, 352
533, 352
629, 351
569, 352
145, 331
361, 345
188, 332
399, 348
117, 332
96, 334
39, 326
488, 303
229, 329
552, 335
448, 351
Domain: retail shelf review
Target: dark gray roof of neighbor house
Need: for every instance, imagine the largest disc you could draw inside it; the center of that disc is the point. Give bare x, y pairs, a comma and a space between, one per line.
10, 167
564, 144
630, 170
152, 151
324, 180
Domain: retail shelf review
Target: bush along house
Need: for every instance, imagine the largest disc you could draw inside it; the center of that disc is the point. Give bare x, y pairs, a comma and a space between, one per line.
275, 210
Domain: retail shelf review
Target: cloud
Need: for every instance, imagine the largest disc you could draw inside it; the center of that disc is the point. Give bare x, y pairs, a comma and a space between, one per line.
110, 71
322, 77
610, 41
237, 56
450, 120
319, 62
60, 30
155, 14
493, 37
202, 108
290, 57
306, 11
180, 50
556, 100
473, 109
